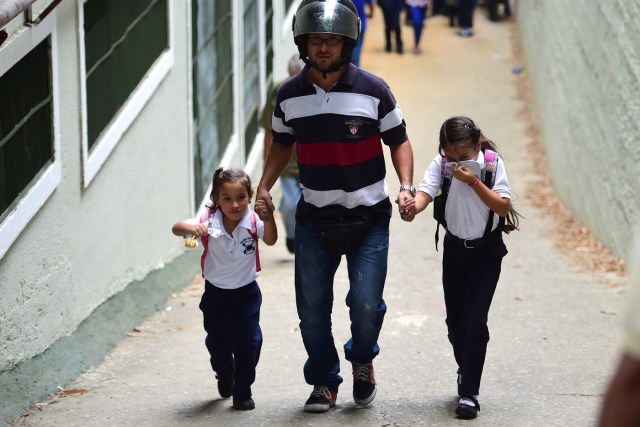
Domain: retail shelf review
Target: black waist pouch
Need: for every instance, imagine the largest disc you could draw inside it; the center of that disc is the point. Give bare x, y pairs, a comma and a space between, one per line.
342, 231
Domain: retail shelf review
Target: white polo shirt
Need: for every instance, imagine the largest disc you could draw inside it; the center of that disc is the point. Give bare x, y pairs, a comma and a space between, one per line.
230, 262
465, 213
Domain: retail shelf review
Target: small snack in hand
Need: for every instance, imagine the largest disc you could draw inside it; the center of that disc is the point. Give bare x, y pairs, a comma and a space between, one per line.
191, 241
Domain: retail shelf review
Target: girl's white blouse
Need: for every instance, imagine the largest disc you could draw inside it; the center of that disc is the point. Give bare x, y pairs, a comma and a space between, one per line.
465, 213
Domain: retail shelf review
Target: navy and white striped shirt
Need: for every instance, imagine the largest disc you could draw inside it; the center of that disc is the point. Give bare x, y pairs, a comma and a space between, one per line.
339, 136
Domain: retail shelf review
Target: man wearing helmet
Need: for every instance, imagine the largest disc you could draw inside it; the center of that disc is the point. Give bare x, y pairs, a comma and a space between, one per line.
338, 117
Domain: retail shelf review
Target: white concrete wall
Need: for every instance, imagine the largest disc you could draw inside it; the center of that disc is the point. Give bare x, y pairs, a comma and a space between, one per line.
583, 58
87, 244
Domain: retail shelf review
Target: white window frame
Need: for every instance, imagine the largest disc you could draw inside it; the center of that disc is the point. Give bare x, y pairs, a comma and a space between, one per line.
112, 134
47, 180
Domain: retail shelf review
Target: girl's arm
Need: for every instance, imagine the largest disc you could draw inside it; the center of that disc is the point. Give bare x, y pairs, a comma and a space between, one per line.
270, 231
182, 228
422, 201
490, 198
415, 205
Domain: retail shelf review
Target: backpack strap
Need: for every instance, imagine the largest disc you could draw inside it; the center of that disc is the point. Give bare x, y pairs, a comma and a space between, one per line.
445, 183
489, 178
488, 171
254, 233
205, 217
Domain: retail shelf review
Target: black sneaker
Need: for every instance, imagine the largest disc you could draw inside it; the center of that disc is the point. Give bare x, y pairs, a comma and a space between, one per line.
364, 383
225, 386
244, 404
467, 408
321, 400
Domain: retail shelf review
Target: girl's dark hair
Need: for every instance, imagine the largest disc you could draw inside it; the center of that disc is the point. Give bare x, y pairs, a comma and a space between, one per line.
222, 176
460, 131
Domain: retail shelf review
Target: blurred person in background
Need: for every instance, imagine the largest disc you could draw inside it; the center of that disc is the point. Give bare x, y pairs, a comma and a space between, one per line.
465, 17
418, 13
360, 5
391, 10
621, 406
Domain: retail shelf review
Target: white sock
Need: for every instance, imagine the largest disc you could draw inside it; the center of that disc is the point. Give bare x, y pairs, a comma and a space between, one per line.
466, 401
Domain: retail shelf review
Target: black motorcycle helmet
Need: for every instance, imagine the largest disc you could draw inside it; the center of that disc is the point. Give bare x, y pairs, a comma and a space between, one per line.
329, 17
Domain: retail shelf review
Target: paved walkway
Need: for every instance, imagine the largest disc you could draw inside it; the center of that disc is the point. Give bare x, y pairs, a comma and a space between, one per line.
553, 325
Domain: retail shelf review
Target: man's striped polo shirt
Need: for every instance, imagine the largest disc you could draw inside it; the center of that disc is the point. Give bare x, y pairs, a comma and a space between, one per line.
339, 136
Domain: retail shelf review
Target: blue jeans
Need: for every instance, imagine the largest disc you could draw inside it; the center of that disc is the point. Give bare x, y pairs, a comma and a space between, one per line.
315, 270
291, 193
418, 14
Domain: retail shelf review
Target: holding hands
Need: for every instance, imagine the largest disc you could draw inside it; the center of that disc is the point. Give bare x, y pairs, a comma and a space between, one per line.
263, 210
406, 206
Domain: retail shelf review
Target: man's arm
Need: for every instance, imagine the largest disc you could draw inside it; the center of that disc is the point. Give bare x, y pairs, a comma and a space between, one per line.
266, 144
277, 159
402, 158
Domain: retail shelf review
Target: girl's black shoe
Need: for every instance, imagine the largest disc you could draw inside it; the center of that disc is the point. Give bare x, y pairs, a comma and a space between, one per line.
244, 404
468, 408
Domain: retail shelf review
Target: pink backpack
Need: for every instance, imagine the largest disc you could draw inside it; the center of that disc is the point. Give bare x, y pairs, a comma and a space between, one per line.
253, 232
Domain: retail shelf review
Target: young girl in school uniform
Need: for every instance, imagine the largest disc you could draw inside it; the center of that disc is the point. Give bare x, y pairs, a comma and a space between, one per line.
231, 301
476, 215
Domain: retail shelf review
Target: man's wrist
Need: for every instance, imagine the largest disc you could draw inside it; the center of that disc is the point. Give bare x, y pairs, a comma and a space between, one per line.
410, 188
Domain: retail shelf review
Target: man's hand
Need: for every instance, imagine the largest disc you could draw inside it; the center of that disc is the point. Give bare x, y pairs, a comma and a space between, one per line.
264, 204
406, 206
262, 210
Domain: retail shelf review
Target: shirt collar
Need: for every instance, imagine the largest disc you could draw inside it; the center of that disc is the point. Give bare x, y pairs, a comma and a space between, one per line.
348, 78
245, 222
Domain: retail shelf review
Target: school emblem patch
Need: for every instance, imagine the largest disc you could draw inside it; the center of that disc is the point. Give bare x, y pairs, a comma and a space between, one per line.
354, 127
249, 245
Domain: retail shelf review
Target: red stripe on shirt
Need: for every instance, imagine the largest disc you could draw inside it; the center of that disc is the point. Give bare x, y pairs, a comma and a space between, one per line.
339, 154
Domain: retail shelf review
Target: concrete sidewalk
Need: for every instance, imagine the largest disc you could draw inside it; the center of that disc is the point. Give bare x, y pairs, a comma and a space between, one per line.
553, 324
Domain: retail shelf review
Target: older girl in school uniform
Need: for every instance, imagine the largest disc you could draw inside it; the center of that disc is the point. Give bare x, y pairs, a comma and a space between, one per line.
476, 213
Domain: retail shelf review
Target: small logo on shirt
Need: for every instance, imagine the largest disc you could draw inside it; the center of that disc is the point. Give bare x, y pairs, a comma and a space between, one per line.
249, 245
354, 127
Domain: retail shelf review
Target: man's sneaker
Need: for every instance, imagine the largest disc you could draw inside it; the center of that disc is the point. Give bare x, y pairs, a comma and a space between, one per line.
321, 400
225, 386
364, 383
